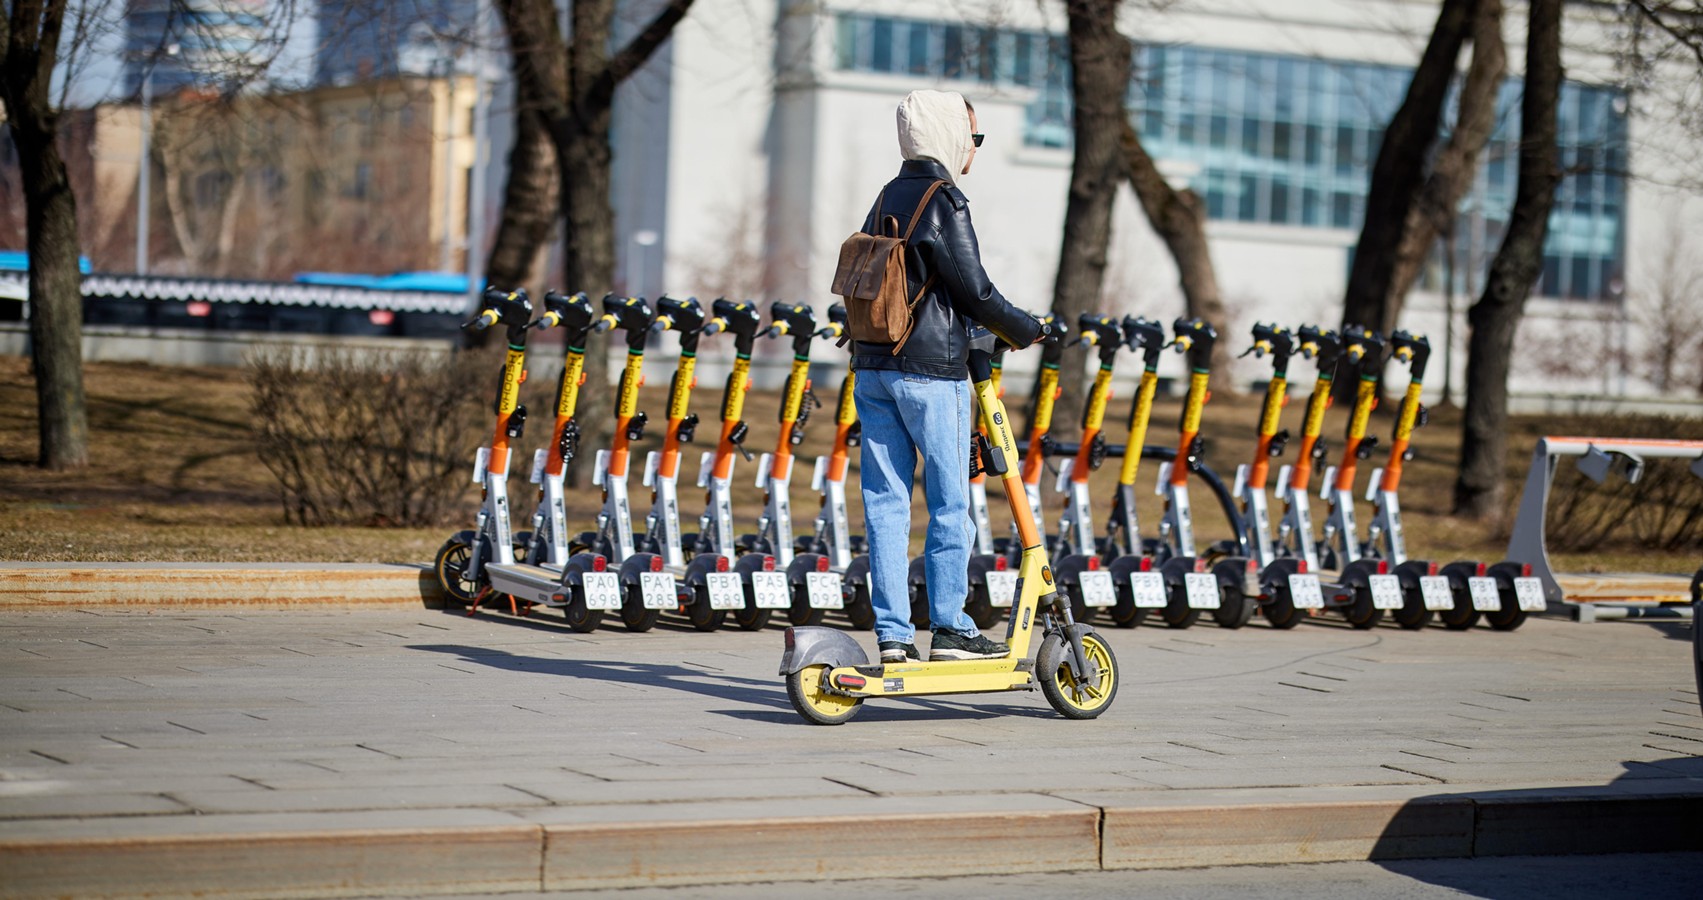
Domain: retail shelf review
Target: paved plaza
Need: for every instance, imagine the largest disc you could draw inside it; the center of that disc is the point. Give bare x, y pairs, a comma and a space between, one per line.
250, 726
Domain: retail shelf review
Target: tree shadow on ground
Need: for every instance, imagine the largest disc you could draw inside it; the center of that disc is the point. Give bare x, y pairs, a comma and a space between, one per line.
1653, 807
762, 700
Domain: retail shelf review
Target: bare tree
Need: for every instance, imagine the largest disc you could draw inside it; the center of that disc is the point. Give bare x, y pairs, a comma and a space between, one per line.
1456, 165
30, 41
1480, 484
1670, 311
1399, 175
572, 80
1099, 82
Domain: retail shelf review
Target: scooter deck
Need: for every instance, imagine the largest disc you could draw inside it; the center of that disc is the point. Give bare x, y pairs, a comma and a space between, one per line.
913, 679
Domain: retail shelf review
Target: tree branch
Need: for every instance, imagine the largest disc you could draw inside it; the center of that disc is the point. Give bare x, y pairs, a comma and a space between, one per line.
639, 50
1691, 39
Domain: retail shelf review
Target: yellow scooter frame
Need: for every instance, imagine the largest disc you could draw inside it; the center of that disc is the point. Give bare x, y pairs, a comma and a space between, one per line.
828, 675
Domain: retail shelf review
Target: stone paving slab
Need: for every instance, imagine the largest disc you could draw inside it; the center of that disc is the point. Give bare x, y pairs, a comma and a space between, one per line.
375, 736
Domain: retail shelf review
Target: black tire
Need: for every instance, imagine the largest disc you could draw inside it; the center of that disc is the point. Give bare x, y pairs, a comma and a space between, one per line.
1125, 614
450, 564
633, 612
1279, 608
1361, 613
579, 617
920, 617
801, 612
1413, 615
804, 689
1072, 697
1510, 616
1461, 616
522, 541
751, 619
1234, 609
699, 613
1178, 613
860, 610
980, 607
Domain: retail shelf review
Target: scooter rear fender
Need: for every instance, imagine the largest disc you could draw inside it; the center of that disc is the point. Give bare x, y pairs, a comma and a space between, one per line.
810, 645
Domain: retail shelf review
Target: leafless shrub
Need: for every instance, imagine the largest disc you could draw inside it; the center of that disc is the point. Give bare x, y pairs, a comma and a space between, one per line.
378, 438
1663, 511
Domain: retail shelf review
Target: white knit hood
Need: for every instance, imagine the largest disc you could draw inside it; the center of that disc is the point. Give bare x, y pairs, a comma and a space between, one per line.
936, 125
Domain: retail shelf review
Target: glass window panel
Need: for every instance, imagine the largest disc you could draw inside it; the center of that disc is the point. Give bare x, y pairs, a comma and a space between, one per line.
1341, 210
917, 62
1346, 138
1580, 282
1187, 125
1279, 202
1550, 286
1312, 207
1282, 138
1220, 136
1312, 145
845, 43
881, 45
1219, 76
987, 43
1023, 51
952, 52
1245, 198
1285, 89
1215, 202
1251, 137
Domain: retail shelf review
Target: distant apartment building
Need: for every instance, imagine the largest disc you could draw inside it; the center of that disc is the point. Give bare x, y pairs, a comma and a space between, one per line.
361, 40
172, 44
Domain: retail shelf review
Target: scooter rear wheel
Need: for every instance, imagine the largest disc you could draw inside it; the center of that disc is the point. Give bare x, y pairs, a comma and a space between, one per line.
804, 689
980, 607
1234, 610
860, 610
1279, 607
1361, 613
1178, 614
580, 617
699, 613
633, 612
1125, 614
1074, 696
750, 618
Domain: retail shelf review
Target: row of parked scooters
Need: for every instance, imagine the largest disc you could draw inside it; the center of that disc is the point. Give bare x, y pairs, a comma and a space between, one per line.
1283, 574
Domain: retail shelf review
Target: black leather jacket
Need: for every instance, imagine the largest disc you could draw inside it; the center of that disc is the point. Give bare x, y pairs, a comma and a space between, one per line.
943, 245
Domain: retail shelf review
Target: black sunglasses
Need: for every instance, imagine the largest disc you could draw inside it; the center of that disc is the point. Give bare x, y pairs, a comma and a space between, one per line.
977, 139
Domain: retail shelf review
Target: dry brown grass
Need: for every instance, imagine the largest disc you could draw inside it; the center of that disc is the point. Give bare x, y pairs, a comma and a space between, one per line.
173, 476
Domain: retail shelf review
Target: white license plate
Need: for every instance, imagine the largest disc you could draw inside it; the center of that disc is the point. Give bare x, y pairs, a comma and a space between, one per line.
1098, 589
1435, 590
1305, 591
725, 589
1201, 588
823, 589
656, 590
1148, 590
1485, 596
1386, 591
770, 591
1529, 591
1002, 588
602, 590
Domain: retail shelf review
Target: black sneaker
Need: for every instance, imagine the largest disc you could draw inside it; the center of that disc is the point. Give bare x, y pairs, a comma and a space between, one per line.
949, 646
896, 652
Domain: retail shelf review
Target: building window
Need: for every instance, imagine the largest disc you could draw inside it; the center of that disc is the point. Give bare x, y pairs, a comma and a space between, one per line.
1286, 140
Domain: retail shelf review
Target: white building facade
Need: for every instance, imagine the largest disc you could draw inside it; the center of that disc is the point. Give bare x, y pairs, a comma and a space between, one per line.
749, 150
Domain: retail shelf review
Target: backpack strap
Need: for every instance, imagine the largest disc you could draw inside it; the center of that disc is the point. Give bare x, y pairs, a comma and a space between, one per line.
927, 196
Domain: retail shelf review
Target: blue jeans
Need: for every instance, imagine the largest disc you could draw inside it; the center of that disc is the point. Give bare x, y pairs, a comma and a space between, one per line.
903, 415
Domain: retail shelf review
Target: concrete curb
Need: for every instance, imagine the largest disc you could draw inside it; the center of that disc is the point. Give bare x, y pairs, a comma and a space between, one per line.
321, 855
269, 586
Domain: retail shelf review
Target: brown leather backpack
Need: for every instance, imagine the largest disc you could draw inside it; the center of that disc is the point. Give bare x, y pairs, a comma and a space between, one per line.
871, 278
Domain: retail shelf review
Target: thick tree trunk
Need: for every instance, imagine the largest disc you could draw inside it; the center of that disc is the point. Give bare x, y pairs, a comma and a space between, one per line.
1399, 172
56, 300
1099, 81
1457, 163
530, 202
1179, 217
1480, 484
29, 45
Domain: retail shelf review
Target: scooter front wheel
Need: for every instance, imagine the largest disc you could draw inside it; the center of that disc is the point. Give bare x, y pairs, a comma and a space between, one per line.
450, 564
1070, 692
804, 689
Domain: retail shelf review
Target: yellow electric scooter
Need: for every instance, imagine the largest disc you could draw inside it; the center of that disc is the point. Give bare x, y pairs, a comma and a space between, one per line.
828, 675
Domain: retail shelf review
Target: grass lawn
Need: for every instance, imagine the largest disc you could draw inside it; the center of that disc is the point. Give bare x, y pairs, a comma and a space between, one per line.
173, 476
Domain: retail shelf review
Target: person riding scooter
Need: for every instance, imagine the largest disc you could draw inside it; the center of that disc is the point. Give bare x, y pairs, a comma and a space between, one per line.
913, 396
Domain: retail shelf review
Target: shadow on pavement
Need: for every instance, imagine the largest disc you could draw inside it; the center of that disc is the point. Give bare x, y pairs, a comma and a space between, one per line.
766, 699
1653, 808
